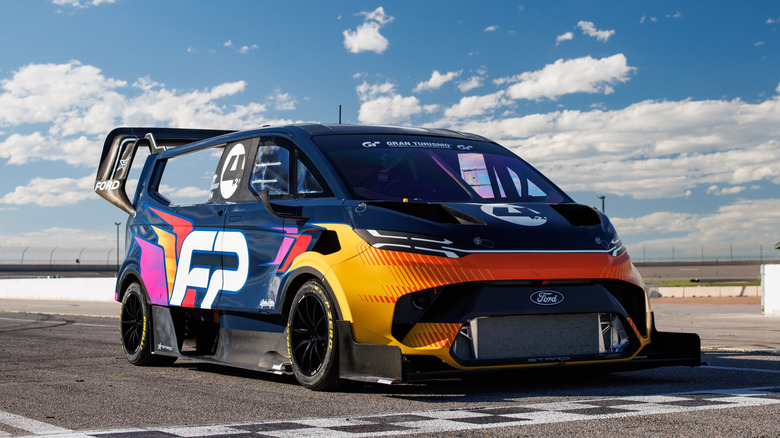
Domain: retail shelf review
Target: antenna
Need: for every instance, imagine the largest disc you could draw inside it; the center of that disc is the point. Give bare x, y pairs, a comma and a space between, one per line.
339, 114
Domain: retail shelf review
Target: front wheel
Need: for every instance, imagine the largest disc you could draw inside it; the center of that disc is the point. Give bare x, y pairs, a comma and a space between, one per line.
311, 338
136, 327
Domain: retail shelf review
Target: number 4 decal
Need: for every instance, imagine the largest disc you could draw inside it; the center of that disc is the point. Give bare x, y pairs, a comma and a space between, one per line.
232, 170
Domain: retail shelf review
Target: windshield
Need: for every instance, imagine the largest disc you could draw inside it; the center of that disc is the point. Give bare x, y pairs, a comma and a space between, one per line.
394, 168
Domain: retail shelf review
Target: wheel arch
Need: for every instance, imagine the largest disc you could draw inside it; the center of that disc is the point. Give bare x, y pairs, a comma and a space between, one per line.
129, 276
302, 275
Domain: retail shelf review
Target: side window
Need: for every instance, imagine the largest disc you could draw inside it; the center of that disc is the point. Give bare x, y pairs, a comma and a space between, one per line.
271, 170
474, 171
533, 191
307, 182
187, 178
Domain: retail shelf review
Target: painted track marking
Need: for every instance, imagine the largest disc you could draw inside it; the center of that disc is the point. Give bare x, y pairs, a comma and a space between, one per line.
752, 370
57, 322
463, 419
28, 424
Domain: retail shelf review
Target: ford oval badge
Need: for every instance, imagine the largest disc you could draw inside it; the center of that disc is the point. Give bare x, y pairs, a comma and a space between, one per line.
546, 297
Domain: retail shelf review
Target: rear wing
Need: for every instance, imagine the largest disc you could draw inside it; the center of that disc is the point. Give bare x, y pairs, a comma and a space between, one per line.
119, 151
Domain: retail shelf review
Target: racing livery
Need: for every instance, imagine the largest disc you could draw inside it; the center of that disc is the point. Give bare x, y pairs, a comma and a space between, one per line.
369, 253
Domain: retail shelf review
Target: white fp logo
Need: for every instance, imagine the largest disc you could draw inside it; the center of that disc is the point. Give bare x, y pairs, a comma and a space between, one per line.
228, 280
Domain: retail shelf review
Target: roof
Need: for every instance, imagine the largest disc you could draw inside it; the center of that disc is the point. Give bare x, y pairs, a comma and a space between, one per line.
318, 129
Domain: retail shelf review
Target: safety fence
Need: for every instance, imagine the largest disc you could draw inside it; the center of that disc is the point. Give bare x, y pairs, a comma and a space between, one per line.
703, 253
56, 255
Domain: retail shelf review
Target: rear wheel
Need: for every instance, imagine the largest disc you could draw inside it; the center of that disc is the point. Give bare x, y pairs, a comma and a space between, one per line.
311, 338
136, 329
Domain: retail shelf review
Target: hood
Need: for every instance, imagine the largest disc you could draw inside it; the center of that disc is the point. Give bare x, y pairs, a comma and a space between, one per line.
491, 227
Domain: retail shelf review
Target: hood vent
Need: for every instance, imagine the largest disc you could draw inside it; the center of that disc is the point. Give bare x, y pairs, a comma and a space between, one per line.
578, 215
430, 212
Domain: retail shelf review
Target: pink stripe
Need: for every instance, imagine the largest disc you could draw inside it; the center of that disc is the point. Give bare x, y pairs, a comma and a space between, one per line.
153, 272
283, 250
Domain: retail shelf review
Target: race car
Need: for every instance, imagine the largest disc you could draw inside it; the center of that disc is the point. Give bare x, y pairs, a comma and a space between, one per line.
369, 253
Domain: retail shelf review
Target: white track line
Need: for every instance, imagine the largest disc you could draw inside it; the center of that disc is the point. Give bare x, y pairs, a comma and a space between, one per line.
752, 370
57, 322
29, 424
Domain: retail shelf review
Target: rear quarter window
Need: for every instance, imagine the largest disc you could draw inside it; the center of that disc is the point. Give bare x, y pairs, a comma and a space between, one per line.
188, 178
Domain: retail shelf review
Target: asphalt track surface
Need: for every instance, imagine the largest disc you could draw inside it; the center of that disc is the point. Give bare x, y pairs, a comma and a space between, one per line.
63, 374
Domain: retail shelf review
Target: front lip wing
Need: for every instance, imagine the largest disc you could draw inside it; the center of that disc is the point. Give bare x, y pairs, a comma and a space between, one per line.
385, 364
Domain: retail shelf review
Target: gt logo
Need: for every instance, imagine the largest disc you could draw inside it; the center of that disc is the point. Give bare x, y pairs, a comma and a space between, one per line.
370, 144
227, 280
464, 147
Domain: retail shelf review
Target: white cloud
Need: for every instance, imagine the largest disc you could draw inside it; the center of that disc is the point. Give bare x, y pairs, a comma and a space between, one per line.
428, 109
436, 81
648, 150
53, 192
378, 15
579, 75
492, 28
58, 243
282, 101
189, 192
564, 37
78, 105
715, 190
228, 43
589, 29
745, 222
45, 92
366, 38
381, 104
246, 49
82, 4
22, 149
471, 83
472, 106
389, 109
368, 91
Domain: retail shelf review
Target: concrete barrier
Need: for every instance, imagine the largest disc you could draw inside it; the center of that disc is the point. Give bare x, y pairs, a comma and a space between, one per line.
58, 289
770, 289
710, 291
102, 289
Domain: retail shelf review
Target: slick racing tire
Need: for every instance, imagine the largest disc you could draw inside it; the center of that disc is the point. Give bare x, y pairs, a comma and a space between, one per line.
136, 329
311, 338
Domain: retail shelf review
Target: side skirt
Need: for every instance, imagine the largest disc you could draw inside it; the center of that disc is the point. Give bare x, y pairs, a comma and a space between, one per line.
248, 349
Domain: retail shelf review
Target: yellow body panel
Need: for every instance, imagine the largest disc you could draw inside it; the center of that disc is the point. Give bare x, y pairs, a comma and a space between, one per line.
367, 282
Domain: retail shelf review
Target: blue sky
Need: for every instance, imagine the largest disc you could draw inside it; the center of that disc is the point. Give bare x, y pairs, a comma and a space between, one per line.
669, 109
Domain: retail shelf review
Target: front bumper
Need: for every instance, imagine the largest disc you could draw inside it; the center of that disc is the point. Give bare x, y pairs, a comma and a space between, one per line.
386, 364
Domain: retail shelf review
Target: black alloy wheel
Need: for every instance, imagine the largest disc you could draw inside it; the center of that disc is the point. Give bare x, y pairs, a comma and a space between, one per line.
136, 327
311, 339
